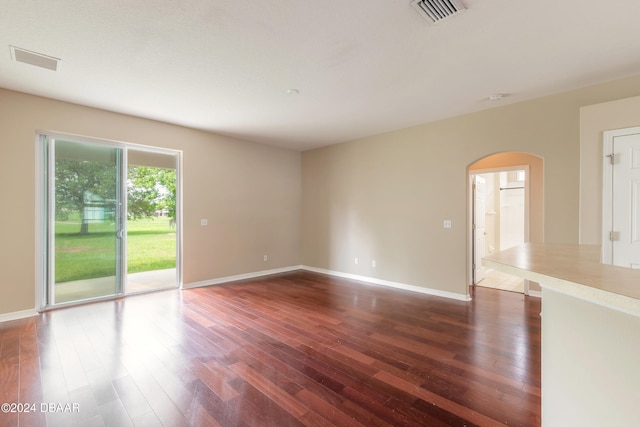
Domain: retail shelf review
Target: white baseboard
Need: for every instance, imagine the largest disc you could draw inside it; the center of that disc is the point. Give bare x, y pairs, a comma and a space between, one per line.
228, 279
7, 317
365, 279
397, 285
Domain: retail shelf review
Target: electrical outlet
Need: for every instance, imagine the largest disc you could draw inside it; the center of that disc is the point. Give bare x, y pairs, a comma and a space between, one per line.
265, 258
373, 263
204, 222
355, 261
447, 223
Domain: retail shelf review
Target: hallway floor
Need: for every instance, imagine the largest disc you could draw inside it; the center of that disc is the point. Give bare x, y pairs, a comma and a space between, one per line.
499, 280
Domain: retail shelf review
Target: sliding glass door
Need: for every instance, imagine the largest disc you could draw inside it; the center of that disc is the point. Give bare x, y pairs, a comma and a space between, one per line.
110, 219
151, 220
84, 221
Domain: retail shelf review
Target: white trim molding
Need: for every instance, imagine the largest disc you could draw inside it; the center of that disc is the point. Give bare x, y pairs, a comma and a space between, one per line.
364, 279
15, 315
245, 276
390, 284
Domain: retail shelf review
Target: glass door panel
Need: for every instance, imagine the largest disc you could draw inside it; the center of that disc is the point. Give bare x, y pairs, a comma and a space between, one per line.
85, 221
151, 220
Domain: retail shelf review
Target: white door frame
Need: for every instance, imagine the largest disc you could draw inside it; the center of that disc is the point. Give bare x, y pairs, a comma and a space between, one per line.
607, 189
475, 229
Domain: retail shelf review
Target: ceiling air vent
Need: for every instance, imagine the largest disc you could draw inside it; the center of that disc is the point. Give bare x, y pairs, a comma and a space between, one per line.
33, 58
437, 10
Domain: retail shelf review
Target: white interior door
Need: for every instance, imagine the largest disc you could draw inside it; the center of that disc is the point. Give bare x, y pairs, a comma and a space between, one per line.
479, 227
624, 234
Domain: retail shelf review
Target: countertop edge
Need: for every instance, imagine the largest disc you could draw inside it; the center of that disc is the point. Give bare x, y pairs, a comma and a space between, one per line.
601, 297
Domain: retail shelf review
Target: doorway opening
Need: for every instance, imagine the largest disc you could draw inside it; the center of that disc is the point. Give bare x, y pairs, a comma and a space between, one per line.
505, 211
500, 208
108, 218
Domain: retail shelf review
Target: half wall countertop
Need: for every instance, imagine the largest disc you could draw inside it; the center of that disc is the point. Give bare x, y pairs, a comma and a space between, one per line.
575, 270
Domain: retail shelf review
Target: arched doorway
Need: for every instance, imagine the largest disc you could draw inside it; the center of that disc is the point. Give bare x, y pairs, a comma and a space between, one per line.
514, 186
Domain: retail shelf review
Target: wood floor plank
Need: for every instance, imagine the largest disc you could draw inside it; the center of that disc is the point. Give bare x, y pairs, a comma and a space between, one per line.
216, 378
330, 412
294, 349
275, 393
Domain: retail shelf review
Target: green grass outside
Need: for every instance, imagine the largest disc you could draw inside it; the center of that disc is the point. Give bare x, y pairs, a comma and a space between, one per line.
151, 246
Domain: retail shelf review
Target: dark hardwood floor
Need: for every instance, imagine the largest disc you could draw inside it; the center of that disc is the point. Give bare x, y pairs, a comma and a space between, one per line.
294, 349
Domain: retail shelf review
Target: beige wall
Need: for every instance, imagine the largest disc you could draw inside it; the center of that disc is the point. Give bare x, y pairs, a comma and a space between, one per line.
594, 120
382, 197
250, 193
385, 197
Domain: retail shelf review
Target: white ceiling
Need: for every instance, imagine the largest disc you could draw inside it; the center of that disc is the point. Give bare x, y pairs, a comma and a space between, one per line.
361, 67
